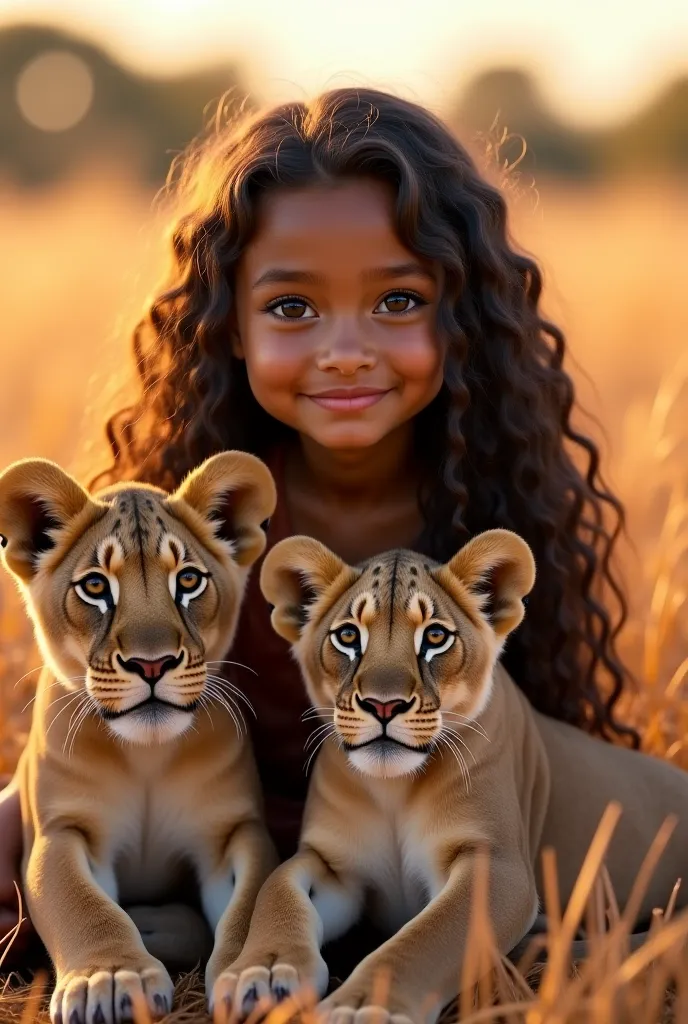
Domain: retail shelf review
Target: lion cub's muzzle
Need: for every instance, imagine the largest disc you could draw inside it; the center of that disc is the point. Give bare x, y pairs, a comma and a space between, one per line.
148, 689
389, 736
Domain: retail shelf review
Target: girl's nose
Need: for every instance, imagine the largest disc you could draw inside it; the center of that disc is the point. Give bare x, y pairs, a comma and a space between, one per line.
347, 351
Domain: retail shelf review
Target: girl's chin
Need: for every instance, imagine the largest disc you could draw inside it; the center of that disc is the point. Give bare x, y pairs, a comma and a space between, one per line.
346, 439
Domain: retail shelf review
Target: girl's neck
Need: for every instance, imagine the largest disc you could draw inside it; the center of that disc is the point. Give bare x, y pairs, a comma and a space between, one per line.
358, 503
357, 476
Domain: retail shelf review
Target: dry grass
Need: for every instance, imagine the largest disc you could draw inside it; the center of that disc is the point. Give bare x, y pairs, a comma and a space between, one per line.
76, 265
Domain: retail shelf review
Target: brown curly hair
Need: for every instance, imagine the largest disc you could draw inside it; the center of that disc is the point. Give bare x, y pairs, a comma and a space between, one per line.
498, 441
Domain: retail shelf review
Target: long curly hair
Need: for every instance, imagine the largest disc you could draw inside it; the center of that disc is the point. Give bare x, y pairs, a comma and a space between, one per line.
498, 441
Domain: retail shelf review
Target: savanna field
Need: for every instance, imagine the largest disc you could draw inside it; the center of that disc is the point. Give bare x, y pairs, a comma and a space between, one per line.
76, 263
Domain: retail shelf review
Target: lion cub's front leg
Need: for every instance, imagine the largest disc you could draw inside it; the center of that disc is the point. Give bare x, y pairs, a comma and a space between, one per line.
229, 894
101, 963
302, 905
422, 961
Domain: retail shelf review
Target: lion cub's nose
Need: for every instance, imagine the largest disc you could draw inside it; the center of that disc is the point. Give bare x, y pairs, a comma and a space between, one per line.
383, 711
151, 671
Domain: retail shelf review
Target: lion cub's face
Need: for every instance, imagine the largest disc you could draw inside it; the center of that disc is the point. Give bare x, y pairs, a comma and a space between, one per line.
401, 650
134, 591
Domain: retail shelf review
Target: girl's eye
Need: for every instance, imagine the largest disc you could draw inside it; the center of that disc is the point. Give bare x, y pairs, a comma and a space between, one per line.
400, 302
291, 308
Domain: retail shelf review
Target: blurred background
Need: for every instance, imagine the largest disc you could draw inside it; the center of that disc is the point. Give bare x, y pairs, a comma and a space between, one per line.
585, 105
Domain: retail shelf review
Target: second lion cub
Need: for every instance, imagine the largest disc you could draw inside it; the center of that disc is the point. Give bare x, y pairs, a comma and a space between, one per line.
430, 753
135, 776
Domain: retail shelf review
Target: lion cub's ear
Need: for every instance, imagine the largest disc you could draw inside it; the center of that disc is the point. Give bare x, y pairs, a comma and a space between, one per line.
295, 573
38, 500
497, 567
234, 493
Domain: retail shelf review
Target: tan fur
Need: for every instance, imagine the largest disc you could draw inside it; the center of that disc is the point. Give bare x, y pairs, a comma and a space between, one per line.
394, 831
127, 803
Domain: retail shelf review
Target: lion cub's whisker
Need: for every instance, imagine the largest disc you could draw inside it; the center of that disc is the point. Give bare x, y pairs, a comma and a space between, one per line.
77, 717
444, 740
226, 701
316, 748
238, 664
461, 740
74, 696
31, 670
316, 732
58, 682
222, 682
467, 723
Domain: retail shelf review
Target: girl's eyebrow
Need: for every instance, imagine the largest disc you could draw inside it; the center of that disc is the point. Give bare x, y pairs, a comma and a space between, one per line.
281, 275
399, 270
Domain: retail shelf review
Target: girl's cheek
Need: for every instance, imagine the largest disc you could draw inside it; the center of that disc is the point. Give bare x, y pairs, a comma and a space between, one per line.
276, 361
417, 358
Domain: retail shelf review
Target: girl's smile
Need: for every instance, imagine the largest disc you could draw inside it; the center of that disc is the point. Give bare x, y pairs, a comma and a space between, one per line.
345, 400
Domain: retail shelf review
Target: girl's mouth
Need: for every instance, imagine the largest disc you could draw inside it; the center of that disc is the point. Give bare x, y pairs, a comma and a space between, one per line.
348, 399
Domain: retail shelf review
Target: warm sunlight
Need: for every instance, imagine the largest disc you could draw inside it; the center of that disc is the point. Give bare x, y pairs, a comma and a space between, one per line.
597, 62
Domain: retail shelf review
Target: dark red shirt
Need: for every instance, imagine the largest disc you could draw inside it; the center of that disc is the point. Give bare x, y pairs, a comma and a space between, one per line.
278, 695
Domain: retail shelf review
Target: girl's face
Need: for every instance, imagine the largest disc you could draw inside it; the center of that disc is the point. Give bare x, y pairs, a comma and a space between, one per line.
336, 319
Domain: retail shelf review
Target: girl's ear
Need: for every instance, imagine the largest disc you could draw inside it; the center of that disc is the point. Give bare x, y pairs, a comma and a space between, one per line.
37, 501
295, 574
498, 568
236, 345
234, 492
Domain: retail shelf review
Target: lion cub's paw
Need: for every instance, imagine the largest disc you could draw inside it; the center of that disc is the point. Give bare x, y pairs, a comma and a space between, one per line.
363, 1015
241, 990
110, 997
352, 1003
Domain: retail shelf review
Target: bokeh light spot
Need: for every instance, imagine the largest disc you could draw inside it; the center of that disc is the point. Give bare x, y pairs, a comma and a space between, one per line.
55, 90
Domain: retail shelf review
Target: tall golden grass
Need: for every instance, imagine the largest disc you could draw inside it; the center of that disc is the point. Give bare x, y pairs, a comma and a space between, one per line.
76, 265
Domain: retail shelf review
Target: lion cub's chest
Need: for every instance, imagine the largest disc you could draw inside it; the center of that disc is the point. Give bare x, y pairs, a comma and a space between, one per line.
397, 870
151, 848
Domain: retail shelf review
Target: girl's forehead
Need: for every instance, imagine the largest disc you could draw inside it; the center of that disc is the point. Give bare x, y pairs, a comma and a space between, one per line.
323, 228
345, 204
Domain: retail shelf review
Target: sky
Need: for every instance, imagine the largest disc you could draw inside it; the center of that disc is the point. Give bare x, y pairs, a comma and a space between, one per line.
597, 60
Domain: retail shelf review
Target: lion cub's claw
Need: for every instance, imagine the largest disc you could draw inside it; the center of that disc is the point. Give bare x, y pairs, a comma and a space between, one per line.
243, 990
109, 997
352, 1003
364, 1015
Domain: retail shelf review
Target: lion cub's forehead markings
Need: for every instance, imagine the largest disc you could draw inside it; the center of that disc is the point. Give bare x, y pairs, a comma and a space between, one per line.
360, 610
363, 608
420, 607
420, 610
109, 560
171, 550
110, 555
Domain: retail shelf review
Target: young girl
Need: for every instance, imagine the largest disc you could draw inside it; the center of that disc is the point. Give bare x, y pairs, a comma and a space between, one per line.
344, 303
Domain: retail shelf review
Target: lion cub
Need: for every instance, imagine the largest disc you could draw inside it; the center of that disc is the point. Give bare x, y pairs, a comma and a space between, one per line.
431, 752
135, 774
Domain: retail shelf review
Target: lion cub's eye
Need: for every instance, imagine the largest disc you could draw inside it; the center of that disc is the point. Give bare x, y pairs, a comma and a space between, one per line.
190, 583
95, 589
436, 640
347, 639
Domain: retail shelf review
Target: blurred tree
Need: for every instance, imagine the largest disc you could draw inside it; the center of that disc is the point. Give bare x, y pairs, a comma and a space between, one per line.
131, 118
654, 139
510, 97
144, 121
